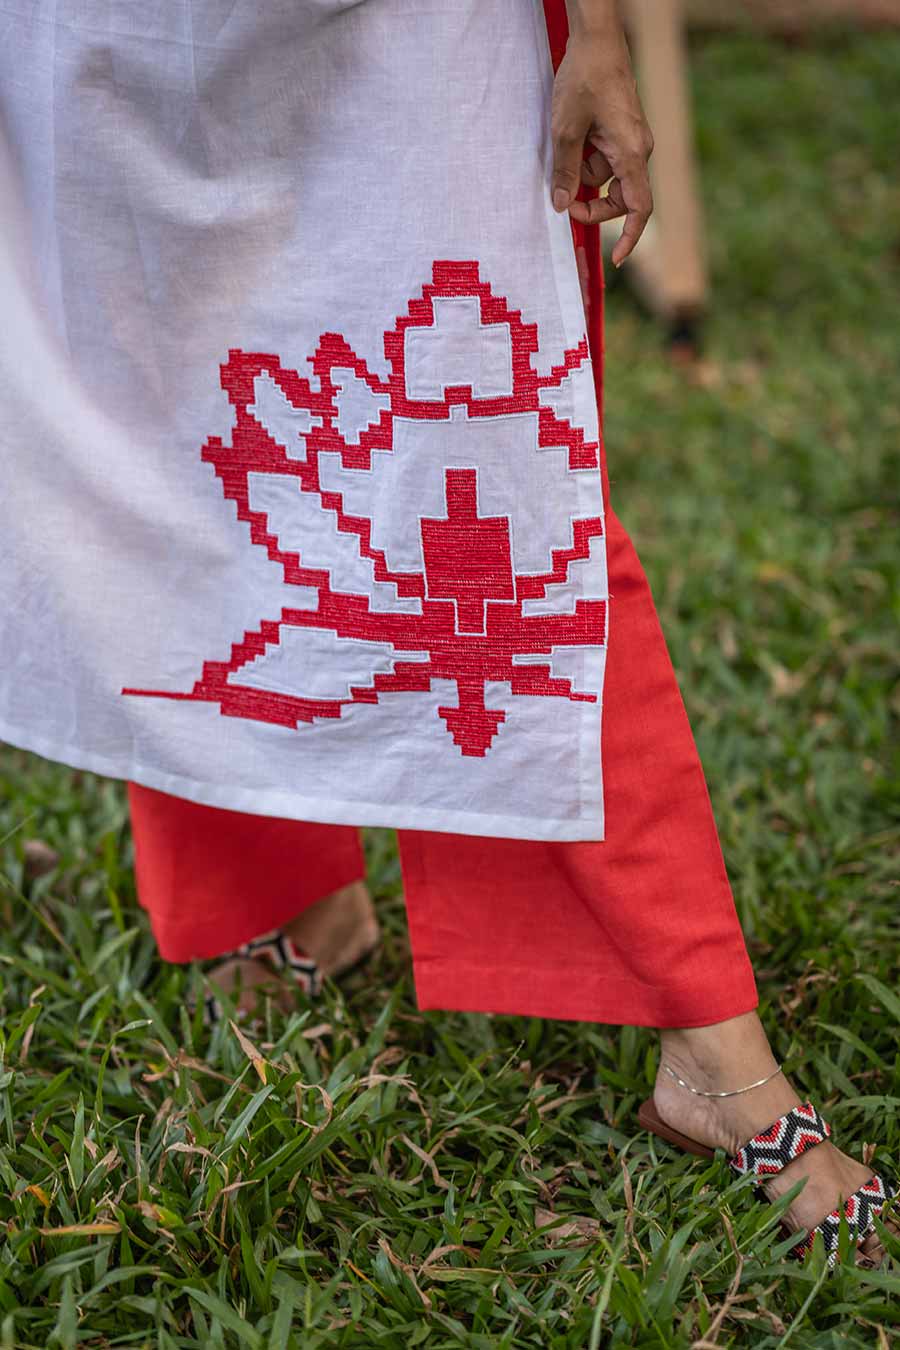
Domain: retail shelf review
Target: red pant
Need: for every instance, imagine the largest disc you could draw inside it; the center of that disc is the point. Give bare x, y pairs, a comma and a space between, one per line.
638, 929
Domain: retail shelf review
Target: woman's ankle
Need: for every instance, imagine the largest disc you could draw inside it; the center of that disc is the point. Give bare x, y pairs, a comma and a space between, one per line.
719, 1057
722, 1057
337, 930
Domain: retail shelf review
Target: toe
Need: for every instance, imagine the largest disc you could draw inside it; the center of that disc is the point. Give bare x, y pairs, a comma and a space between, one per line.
871, 1252
248, 979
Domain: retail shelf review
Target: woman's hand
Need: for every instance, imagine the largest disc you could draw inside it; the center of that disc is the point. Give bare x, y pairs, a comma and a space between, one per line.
595, 101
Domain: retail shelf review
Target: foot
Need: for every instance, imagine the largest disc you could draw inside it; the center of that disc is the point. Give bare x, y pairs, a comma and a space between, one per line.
336, 931
339, 930
730, 1055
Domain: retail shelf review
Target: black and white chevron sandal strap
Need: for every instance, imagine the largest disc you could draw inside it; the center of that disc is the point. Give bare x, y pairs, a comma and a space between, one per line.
772, 1149
860, 1212
284, 955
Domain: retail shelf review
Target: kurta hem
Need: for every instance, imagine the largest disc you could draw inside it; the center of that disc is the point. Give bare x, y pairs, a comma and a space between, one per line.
324, 811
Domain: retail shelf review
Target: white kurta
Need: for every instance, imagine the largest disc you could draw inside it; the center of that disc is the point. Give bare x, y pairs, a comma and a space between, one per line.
300, 500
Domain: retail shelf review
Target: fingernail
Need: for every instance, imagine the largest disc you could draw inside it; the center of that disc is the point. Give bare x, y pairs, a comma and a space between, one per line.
560, 199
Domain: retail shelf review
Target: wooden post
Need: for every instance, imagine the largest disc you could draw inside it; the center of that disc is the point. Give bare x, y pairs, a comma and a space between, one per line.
669, 264
668, 267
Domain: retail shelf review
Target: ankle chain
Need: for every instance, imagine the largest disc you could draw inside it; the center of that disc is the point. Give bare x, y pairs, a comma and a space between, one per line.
735, 1092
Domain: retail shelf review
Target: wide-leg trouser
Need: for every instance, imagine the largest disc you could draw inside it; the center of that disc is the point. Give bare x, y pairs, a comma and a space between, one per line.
637, 929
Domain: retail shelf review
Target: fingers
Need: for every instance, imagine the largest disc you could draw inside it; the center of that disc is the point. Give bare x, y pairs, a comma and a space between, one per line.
600, 209
596, 170
568, 149
636, 197
628, 196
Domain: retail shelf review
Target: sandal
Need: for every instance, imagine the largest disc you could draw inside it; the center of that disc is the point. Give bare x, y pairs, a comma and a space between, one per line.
768, 1152
282, 954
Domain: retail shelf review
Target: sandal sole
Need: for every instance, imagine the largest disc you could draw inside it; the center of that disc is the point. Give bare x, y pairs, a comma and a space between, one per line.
649, 1117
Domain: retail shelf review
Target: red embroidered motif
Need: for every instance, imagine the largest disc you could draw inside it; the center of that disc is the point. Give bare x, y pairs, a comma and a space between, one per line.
467, 557
472, 628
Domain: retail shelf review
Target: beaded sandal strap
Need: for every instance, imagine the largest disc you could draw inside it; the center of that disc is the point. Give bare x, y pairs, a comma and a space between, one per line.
283, 954
770, 1151
860, 1212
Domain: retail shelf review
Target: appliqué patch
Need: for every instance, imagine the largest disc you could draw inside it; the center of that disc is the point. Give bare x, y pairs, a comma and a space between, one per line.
496, 576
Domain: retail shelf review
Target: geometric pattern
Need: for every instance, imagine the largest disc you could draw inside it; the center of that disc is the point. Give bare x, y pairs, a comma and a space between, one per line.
859, 1211
282, 953
802, 1128
285, 956
460, 370
768, 1152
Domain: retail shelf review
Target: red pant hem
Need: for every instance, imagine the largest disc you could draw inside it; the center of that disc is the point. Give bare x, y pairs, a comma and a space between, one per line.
187, 939
572, 996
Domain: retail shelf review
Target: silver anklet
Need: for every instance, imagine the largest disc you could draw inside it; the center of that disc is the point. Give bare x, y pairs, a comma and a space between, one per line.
735, 1092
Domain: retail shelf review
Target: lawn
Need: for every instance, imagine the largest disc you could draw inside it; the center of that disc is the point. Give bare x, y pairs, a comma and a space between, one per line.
365, 1175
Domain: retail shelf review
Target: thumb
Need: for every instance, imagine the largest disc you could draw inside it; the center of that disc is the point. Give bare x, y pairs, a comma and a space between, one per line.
568, 151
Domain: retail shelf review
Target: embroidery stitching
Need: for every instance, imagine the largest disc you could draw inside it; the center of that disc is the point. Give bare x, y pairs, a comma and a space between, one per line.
472, 628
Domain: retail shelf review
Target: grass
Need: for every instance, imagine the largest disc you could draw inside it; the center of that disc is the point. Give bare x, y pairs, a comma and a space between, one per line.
365, 1175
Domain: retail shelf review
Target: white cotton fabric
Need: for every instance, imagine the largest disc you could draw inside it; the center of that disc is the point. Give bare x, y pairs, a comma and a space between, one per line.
178, 180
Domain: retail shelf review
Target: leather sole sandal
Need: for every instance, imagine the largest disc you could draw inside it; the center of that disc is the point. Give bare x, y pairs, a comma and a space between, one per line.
286, 959
770, 1151
282, 954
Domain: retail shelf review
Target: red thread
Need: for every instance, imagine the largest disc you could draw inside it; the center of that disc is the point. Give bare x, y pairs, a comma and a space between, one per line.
472, 623
467, 559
